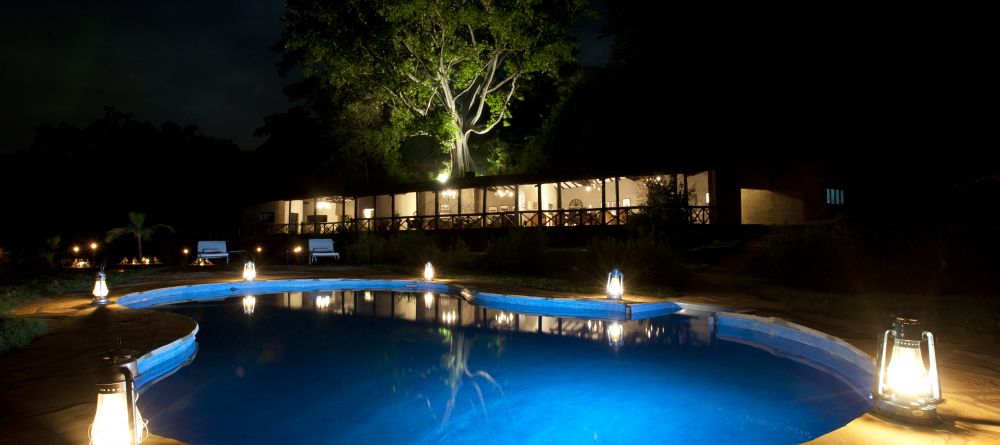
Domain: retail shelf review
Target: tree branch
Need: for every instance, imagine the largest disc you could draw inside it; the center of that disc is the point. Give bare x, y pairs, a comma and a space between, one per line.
503, 110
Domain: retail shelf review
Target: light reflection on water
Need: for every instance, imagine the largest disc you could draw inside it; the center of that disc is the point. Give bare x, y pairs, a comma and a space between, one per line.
449, 310
397, 367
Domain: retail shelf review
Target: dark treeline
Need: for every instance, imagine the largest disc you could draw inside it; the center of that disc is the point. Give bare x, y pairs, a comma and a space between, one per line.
84, 180
852, 86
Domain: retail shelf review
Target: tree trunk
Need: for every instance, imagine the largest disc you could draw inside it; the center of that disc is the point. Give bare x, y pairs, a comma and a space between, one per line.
139, 239
461, 160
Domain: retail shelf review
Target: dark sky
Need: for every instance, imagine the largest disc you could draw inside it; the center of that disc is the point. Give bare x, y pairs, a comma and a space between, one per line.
191, 62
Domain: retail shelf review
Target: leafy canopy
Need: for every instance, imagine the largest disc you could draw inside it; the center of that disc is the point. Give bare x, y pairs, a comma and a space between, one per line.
454, 65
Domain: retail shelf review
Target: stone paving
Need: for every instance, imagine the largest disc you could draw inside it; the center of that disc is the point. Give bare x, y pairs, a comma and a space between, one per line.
47, 389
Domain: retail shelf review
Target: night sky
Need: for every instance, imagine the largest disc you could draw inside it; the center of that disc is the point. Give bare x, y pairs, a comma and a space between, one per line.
191, 62
202, 63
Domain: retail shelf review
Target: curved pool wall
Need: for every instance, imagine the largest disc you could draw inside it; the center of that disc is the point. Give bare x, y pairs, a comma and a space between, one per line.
780, 337
159, 363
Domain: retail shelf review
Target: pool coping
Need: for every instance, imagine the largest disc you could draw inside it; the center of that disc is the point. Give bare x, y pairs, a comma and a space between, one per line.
777, 336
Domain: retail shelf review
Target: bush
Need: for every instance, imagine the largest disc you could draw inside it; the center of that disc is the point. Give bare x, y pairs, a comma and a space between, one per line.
520, 250
14, 296
458, 256
410, 249
922, 259
641, 259
18, 332
814, 258
368, 249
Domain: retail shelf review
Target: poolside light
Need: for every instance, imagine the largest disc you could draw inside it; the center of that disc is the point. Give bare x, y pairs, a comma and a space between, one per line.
117, 420
443, 177
322, 302
249, 302
76, 249
906, 390
297, 249
259, 249
101, 287
616, 284
429, 272
615, 335
504, 318
185, 251
249, 271
428, 300
369, 297
93, 246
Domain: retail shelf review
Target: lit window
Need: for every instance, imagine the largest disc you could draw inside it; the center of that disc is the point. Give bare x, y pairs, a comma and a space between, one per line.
835, 196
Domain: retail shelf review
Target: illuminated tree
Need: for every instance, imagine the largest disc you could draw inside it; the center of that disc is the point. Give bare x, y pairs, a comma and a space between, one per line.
455, 66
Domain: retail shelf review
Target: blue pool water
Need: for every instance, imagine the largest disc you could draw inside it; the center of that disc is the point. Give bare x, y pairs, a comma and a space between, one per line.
383, 367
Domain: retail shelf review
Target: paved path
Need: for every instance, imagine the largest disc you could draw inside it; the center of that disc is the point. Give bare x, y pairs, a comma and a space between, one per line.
47, 395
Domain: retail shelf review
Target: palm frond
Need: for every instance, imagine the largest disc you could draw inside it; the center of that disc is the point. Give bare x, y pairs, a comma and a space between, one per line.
116, 233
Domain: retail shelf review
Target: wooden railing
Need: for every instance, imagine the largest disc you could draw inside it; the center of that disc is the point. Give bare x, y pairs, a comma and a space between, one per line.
612, 216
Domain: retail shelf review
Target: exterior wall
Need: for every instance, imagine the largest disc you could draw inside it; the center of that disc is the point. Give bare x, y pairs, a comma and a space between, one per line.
366, 207
406, 204
527, 197
448, 201
549, 196
590, 199
494, 201
251, 214
349, 205
308, 209
425, 203
770, 207
288, 207
383, 206
472, 201
630, 192
702, 194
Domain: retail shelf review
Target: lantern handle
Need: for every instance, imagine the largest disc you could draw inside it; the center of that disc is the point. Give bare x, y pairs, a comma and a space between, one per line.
933, 377
884, 344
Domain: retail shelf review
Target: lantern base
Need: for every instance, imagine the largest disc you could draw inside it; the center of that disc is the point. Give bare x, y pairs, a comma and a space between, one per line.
916, 415
101, 302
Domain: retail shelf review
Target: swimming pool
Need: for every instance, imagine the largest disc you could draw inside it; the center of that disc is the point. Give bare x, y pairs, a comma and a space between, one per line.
377, 366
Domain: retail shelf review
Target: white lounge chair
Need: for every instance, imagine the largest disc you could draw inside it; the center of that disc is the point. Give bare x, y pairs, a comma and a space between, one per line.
320, 248
213, 249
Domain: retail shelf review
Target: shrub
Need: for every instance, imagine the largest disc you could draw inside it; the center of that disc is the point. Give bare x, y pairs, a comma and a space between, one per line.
923, 259
368, 249
18, 332
520, 250
458, 256
14, 296
642, 259
410, 249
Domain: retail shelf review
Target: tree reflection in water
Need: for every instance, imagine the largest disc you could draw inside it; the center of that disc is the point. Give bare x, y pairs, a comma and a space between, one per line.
456, 362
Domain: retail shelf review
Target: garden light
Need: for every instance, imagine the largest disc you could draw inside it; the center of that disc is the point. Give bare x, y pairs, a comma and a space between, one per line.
322, 302
906, 389
117, 420
249, 302
428, 271
615, 335
249, 271
616, 284
101, 287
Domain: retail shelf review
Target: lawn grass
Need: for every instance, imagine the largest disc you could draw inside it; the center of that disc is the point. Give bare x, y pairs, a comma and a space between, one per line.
977, 316
16, 332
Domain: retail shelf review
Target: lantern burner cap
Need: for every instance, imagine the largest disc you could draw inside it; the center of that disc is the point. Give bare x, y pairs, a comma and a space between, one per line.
905, 326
